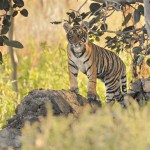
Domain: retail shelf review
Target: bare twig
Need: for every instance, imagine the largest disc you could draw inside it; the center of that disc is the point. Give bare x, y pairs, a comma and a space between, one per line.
119, 1
120, 32
110, 13
98, 10
82, 5
113, 3
77, 14
147, 16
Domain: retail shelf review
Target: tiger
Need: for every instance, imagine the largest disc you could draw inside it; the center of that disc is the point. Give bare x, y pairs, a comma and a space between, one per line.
96, 63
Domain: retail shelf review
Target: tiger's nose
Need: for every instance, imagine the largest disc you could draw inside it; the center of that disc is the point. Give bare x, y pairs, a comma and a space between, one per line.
77, 45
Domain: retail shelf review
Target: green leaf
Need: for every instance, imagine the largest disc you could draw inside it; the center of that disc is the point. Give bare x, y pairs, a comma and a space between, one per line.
148, 62
76, 20
24, 12
126, 19
104, 26
140, 60
72, 15
128, 46
12, 43
94, 28
108, 38
128, 28
76, 23
93, 21
15, 13
92, 40
97, 38
141, 9
1, 4
118, 49
84, 15
6, 22
94, 7
1, 41
14, 6
4, 30
136, 16
5, 38
100, 33
19, 3
137, 50
1, 58
4, 5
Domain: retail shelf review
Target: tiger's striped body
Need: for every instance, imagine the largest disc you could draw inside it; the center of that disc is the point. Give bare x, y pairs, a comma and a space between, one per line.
95, 62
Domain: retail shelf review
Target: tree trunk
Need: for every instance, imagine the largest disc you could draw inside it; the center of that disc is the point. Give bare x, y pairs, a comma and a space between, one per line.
119, 1
147, 15
13, 56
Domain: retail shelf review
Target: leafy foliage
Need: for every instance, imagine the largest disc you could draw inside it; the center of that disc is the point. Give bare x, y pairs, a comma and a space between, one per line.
13, 43
125, 38
6, 6
24, 12
126, 19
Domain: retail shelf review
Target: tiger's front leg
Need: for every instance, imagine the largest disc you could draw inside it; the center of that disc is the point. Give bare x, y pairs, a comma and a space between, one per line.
92, 95
73, 73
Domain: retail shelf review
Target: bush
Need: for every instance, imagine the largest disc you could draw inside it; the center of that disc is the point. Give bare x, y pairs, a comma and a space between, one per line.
106, 129
8, 98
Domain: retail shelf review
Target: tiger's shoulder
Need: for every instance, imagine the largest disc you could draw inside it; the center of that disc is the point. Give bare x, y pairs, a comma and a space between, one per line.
98, 48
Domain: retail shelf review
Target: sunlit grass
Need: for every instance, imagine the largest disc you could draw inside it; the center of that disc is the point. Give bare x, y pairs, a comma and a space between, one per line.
44, 68
8, 98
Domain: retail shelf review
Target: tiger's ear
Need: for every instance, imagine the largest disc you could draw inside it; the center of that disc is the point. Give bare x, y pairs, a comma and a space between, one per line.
85, 24
67, 26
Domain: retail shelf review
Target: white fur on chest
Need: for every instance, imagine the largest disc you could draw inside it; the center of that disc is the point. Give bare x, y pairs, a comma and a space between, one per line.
79, 64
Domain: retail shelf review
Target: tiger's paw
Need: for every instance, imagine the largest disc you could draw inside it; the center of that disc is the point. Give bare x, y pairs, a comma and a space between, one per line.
75, 90
94, 100
95, 103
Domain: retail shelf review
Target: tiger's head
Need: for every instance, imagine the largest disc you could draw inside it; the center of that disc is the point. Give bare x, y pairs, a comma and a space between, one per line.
77, 35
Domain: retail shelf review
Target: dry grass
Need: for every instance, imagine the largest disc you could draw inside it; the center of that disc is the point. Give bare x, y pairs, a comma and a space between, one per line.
107, 129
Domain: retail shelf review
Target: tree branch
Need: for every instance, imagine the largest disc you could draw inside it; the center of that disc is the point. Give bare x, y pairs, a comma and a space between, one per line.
121, 32
119, 1
82, 5
147, 15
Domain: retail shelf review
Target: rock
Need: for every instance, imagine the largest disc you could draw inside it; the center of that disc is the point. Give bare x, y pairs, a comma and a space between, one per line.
137, 86
131, 93
147, 96
35, 105
140, 90
4, 133
146, 85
